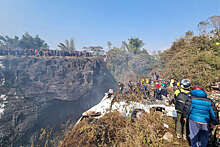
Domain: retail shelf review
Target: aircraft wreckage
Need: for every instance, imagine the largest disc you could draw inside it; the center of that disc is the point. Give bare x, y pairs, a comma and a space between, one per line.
127, 109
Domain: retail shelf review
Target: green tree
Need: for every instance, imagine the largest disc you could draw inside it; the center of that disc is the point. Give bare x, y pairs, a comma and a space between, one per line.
69, 45
203, 27
72, 44
135, 45
26, 42
215, 23
124, 64
109, 44
211, 26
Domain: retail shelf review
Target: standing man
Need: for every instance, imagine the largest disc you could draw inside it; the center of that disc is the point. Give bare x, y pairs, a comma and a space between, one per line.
180, 97
120, 87
202, 113
158, 92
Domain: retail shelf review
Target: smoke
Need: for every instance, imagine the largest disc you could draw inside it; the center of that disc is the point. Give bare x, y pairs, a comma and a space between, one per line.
125, 65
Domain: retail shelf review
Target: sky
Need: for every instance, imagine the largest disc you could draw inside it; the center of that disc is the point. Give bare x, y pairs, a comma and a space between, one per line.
94, 22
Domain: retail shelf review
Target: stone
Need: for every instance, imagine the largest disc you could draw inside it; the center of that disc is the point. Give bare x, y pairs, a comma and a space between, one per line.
168, 136
45, 92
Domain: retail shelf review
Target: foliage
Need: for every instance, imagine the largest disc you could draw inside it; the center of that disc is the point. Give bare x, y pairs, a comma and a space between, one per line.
52, 137
69, 45
25, 42
197, 58
115, 130
125, 65
109, 44
210, 26
130, 61
135, 45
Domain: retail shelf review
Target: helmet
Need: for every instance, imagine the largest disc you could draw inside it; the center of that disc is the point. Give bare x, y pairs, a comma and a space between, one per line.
185, 83
197, 87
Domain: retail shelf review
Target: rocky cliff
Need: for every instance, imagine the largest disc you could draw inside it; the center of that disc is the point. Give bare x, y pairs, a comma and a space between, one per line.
41, 92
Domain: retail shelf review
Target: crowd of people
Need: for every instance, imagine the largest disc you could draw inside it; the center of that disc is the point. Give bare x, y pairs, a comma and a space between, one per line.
43, 52
197, 114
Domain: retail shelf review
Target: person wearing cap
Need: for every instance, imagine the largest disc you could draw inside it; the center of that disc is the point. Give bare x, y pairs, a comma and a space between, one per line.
180, 97
201, 113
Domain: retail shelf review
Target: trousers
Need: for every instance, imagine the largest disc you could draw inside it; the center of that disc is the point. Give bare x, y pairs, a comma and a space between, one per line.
180, 125
199, 134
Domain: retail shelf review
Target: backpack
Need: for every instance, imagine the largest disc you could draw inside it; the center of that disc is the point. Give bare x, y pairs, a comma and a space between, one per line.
180, 100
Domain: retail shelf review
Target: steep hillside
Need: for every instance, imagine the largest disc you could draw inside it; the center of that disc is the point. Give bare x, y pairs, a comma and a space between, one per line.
195, 57
44, 92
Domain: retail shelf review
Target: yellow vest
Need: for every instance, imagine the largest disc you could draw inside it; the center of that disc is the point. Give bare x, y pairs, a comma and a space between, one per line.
178, 84
147, 81
182, 90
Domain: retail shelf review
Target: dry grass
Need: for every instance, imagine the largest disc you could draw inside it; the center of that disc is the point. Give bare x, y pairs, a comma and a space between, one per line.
197, 58
115, 130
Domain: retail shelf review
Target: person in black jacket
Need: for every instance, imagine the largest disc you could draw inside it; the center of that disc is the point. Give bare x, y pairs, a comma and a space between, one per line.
180, 97
120, 87
164, 90
158, 92
201, 113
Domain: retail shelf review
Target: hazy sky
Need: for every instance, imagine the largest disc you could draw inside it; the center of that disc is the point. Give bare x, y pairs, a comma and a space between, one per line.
94, 22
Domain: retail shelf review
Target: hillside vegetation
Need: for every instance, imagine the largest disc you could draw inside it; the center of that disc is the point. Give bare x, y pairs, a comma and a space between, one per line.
130, 61
115, 130
195, 57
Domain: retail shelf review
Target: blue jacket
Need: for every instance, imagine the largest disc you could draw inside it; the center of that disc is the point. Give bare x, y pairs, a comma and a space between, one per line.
200, 108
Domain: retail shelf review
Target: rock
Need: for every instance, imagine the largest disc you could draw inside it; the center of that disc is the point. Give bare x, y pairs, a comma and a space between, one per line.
168, 136
45, 92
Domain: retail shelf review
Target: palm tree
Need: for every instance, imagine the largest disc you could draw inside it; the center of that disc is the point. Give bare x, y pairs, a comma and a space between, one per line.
69, 45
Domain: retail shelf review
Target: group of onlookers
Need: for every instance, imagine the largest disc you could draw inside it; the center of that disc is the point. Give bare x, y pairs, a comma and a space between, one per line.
42, 52
196, 113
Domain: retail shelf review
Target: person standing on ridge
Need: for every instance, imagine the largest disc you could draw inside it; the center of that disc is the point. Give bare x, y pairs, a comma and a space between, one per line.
145, 90
121, 87
164, 90
130, 85
36, 52
172, 83
156, 76
158, 92
202, 113
180, 97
